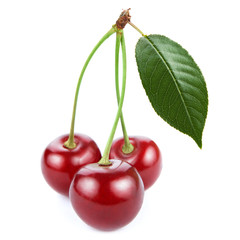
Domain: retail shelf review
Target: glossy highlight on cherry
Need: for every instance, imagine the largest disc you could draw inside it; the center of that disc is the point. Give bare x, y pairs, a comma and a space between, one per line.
60, 164
107, 197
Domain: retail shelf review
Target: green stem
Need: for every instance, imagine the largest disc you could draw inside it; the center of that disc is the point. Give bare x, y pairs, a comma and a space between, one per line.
105, 158
70, 142
127, 147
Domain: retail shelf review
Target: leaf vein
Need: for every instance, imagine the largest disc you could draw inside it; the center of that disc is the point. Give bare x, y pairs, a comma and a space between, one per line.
174, 80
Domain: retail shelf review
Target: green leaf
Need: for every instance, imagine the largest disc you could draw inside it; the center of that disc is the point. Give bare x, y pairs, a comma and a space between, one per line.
174, 84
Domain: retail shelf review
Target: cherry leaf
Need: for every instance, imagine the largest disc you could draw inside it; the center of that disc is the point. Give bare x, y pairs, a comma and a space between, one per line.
174, 84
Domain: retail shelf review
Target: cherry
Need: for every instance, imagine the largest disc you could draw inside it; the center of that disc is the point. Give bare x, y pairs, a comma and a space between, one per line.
59, 163
145, 157
107, 197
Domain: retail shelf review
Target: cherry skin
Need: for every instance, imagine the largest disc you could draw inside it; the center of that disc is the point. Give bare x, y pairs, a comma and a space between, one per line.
107, 197
60, 164
146, 157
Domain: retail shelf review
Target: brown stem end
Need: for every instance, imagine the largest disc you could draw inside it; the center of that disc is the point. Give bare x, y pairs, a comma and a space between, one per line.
123, 19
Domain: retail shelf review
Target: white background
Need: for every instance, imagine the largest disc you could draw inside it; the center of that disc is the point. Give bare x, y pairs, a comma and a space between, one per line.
43, 46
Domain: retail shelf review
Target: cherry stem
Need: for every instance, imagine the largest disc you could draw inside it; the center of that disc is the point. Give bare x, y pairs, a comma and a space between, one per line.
105, 158
135, 27
70, 142
127, 147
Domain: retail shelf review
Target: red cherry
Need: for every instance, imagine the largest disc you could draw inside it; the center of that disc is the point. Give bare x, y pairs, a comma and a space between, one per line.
59, 164
107, 197
146, 158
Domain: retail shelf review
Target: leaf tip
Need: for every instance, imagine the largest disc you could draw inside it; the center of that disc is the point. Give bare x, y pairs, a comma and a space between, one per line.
199, 142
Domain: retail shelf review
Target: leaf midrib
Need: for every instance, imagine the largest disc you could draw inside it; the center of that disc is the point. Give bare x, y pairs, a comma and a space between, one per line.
174, 80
